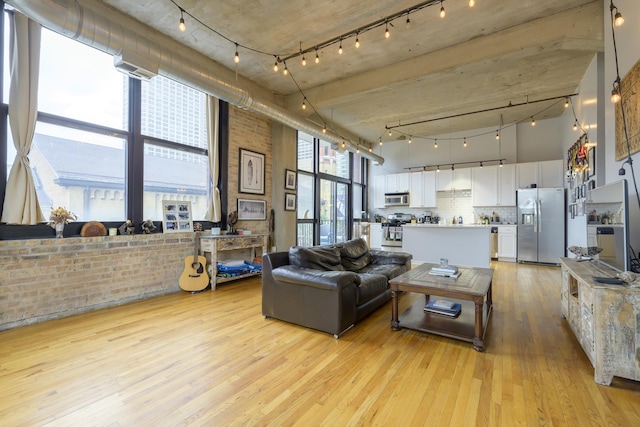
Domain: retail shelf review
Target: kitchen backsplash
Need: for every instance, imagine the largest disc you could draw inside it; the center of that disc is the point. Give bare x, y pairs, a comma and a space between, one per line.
455, 204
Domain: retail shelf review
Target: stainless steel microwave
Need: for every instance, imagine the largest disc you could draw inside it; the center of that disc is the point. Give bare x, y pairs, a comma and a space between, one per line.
396, 199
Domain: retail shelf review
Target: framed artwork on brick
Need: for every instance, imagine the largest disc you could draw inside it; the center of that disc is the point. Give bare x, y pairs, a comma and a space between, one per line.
176, 216
252, 209
251, 179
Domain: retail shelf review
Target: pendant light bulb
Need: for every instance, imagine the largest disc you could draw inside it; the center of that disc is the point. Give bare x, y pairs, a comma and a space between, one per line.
472, 3
533, 121
380, 142
358, 150
409, 139
481, 164
497, 134
566, 103
304, 104
317, 57
500, 163
435, 144
324, 129
408, 22
236, 57
286, 70
438, 168
615, 94
442, 12
357, 42
304, 61
575, 125
182, 26
370, 150
618, 20
275, 66
340, 48
389, 132
387, 34
452, 168
464, 144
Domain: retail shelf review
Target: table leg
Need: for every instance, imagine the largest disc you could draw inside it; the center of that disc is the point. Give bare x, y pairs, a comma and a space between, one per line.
478, 343
395, 325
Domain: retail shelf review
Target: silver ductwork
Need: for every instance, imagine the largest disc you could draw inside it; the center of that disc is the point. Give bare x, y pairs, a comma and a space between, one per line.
104, 32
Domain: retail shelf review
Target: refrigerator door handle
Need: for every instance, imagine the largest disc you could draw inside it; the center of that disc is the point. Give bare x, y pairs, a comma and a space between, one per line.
539, 215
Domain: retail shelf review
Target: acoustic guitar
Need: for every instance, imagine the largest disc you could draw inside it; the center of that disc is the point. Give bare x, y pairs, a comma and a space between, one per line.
194, 278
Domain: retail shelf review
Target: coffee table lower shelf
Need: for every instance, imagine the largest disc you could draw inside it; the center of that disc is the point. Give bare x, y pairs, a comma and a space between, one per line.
461, 327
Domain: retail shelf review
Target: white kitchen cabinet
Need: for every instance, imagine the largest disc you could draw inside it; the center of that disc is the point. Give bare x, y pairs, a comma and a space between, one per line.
547, 174
397, 183
507, 243
375, 235
379, 183
507, 185
493, 186
550, 174
422, 193
450, 180
484, 186
416, 190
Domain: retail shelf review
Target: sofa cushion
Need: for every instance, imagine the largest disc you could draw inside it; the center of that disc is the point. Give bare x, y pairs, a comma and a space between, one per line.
390, 271
371, 285
320, 258
355, 254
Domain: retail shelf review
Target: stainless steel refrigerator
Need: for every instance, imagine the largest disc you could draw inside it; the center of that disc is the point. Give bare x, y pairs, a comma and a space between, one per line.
541, 225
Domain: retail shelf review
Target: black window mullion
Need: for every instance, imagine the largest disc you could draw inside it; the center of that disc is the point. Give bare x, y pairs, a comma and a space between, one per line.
135, 154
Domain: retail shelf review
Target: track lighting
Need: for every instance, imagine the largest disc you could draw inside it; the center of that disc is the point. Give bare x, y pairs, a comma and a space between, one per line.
500, 163
340, 48
317, 57
533, 121
386, 31
304, 61
408, 22
464, 144
472, 3
236, 57
357, 41
442, 12
182, 26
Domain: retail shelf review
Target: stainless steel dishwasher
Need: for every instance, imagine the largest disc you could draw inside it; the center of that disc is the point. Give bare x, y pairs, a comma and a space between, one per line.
494, 243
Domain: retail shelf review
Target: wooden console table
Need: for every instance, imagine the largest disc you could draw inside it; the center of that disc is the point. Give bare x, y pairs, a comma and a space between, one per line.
604, 318
212, 245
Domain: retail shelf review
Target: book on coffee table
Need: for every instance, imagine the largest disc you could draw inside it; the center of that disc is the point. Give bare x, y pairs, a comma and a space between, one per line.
454, 311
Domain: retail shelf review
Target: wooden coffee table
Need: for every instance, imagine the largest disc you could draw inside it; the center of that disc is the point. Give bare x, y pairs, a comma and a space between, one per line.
473, 284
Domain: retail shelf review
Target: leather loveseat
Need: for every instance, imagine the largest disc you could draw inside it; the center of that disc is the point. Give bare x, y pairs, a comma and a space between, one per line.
331, 287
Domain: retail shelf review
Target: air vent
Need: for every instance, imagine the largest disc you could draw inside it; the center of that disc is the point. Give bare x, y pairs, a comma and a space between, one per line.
135, 65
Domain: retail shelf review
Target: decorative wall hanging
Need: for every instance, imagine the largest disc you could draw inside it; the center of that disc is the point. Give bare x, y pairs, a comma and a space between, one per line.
251, 179
629, 87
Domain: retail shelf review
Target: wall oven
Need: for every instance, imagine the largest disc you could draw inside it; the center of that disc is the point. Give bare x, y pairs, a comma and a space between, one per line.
396, 199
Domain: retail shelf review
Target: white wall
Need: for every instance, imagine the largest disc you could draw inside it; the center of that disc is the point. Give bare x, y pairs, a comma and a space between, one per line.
540, 142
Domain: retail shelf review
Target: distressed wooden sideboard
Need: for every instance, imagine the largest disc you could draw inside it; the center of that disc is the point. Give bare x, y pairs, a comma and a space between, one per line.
604, 318
212, 245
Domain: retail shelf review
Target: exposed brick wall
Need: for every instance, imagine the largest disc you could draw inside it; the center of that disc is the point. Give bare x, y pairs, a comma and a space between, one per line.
252, 132
44, 279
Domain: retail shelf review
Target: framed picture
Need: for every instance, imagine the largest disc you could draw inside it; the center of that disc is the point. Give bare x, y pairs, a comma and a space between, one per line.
176, 216
252, 210
289, 202
591, 161
289, 180
251, 179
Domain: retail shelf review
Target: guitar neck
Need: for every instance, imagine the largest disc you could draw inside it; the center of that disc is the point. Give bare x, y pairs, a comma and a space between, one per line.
196, 248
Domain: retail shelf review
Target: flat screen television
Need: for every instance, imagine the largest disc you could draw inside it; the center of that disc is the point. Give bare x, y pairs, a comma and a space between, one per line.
607, 213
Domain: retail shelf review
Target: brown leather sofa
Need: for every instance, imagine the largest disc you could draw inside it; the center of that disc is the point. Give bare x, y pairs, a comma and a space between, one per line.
329, 288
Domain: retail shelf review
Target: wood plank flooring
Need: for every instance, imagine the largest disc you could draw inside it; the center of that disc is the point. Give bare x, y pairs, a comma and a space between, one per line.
212, 359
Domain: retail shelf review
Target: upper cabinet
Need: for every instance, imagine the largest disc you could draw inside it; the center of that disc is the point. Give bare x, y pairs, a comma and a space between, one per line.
493, 186
379, 183
547, 174
397, 183
422, 193
450, 180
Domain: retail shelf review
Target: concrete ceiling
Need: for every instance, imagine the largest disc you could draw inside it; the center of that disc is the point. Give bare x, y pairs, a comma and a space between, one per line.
476, 58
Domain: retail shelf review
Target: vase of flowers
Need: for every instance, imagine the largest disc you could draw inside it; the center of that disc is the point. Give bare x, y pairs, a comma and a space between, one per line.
58, 218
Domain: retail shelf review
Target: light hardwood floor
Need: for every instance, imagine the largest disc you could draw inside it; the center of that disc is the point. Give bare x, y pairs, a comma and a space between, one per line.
212, 359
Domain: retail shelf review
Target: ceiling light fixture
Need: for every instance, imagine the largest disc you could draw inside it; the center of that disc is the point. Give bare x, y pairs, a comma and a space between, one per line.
380, 141
480, 164
357, 41
236, 57
442, 12
618, 20
387, 34
566, 103
500, 163
358, 149
452, 168
464, 144
317, 57
304, 103
304, 61
407, 23
438, 168
497, 134
615, 93
182, 26
435, 144
533, 121
324, 129
389, 132
340, 48
575, 125
472, 3
409, 139
275, 65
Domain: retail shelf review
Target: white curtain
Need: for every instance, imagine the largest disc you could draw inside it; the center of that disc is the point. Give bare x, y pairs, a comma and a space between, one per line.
21, 201
213, 209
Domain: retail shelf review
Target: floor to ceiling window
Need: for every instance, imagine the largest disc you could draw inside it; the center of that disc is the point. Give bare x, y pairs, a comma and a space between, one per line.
330, 187
84, 154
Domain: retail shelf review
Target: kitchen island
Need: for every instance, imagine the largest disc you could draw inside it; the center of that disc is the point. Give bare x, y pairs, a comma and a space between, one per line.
465, 245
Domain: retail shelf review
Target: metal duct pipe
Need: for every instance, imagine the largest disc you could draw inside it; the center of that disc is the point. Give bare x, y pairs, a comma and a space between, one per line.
105, 33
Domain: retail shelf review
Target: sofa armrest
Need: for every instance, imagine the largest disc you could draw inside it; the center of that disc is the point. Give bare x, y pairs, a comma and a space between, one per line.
388, 257
329, 280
